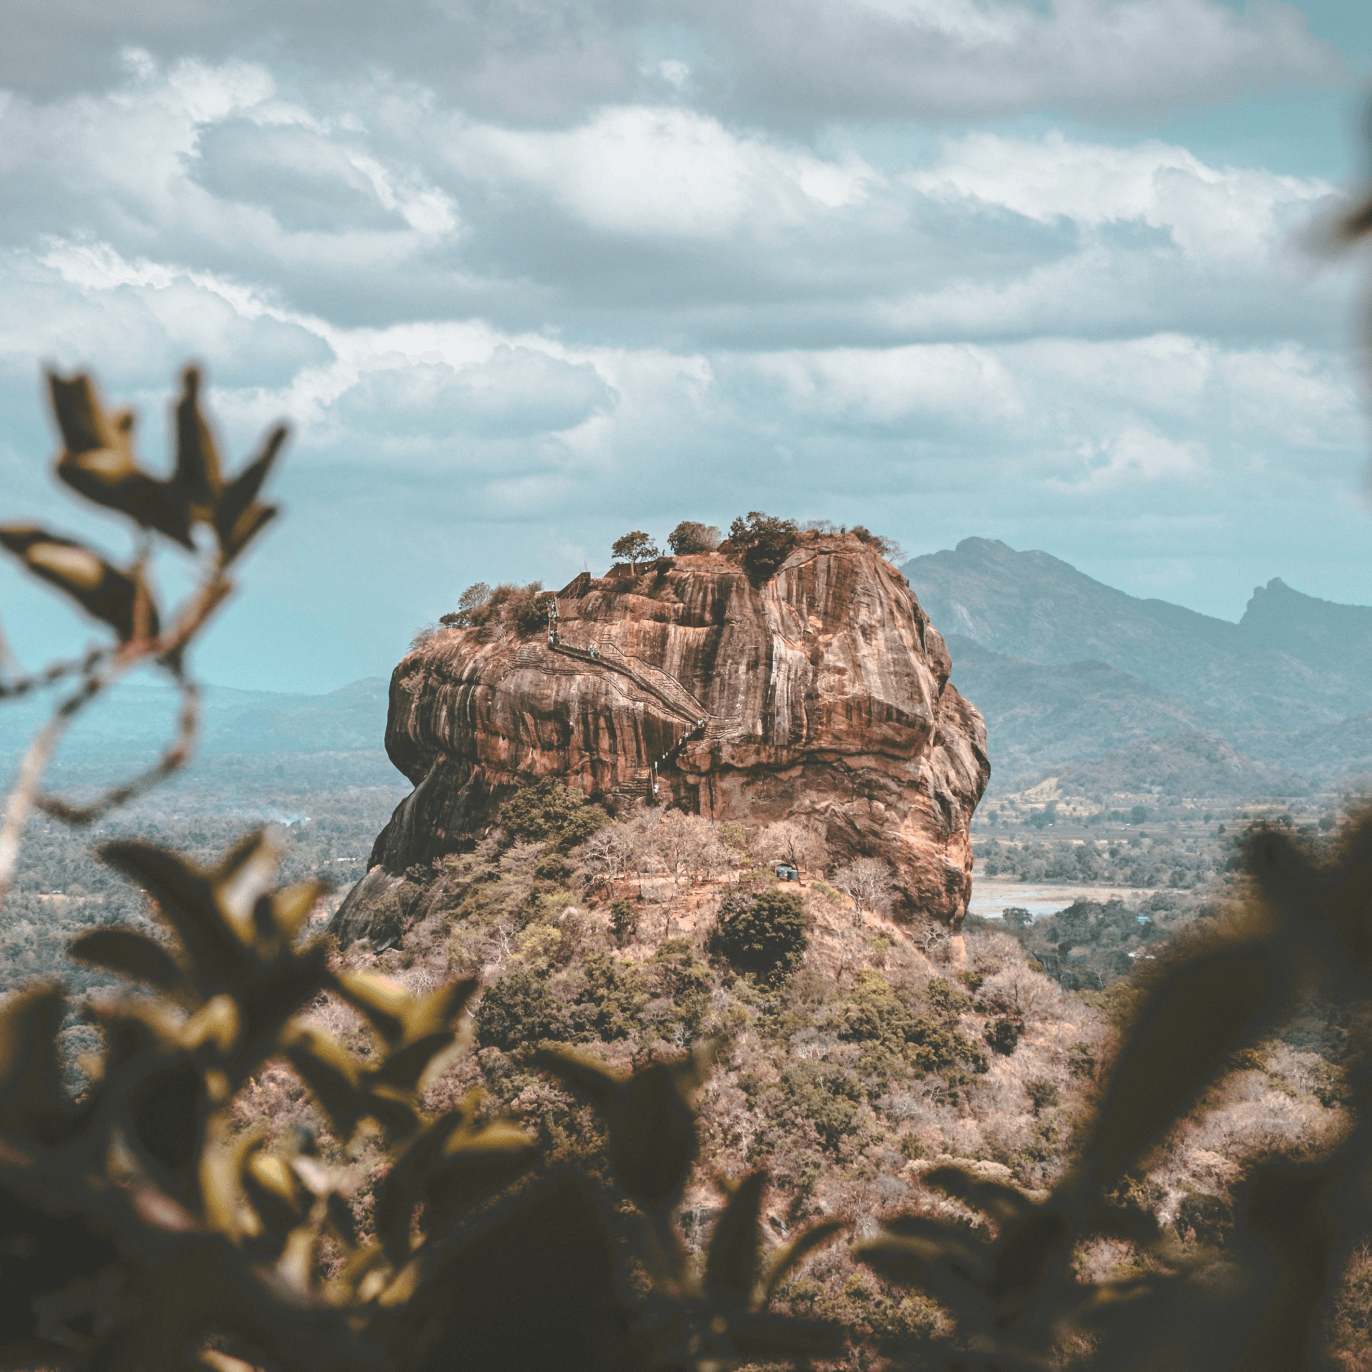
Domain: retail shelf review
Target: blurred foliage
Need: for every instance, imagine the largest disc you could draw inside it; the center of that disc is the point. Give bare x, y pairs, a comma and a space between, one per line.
141, 1227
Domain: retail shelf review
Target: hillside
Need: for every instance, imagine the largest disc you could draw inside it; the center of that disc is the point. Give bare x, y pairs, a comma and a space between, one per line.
1137, 695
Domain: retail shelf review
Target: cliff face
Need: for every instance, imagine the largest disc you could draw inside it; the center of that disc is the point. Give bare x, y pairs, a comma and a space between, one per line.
822, 694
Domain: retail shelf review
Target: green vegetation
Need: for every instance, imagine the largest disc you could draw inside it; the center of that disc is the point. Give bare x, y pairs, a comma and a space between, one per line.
763, 935
633, 548
690, 536
764, 541
469, 605
550, 810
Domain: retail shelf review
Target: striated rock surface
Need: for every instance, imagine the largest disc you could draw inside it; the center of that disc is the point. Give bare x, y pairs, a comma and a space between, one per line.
822, 693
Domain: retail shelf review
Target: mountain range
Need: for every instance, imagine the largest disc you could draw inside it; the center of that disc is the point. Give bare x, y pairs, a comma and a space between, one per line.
345, 727
1110, 692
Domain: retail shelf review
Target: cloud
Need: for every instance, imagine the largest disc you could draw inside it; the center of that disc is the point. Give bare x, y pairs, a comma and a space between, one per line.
651, 224
515, 393
72, 307
663, 173
1134, 456
807, 61
1213, 214
783, 63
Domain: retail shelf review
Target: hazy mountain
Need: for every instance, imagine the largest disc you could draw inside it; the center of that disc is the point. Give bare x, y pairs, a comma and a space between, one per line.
1083, 681
139, 719
1325, 635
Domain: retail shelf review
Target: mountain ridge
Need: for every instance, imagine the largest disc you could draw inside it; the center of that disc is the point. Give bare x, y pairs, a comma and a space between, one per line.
1025, 628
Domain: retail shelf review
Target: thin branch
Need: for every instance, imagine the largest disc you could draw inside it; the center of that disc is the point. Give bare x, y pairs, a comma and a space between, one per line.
167, 651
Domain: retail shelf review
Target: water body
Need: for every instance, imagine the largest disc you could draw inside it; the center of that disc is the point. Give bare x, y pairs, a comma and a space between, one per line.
991, 895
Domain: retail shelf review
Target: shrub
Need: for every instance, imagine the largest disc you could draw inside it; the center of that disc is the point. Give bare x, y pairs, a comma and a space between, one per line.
765, 541
887, 547
528, 610
520, 1011
609, 1002
623, 922
692, 537
470, 606
551, 812
1003, 1034
884, 1020
762, 936
827, 1099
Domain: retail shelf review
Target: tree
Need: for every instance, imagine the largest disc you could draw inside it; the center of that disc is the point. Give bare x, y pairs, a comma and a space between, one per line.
690, 536
469, 603
633, 548
763, 936
764, 540
790, 840
689, 846
868, 881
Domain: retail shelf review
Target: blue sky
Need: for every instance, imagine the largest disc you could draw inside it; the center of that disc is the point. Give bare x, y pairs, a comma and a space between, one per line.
523, 276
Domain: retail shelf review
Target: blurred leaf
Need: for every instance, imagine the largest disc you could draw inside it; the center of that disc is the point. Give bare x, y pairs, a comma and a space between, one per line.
119, 599
1198, 1012
244, 876
653, 1142
402, 1189
272, 1189
97, 461
582, 1074
292, 905
937, 1258
649, 1116
440, 1009
185, 899
476, 1163
197, 453
130, 954
32, 1099
1000, 1202
383, 1000
238, 516
331, 1074
790, 1257
405, 1068
762, 1337
731, 1266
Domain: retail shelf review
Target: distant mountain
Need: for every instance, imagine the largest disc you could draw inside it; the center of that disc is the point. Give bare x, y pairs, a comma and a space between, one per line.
1321, 633
139, 719
1083, 681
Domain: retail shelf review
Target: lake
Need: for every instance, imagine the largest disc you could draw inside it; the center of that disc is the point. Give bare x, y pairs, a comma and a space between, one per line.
990, 895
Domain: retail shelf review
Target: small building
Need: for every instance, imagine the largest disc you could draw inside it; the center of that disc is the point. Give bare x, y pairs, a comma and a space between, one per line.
785, 872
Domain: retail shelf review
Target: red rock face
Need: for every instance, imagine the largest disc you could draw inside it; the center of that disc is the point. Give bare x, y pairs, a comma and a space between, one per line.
822, 694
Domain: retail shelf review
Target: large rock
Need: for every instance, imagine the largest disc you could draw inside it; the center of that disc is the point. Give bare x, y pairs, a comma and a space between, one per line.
822, 693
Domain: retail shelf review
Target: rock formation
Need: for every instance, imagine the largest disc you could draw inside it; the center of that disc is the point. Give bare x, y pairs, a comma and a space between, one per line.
820, 693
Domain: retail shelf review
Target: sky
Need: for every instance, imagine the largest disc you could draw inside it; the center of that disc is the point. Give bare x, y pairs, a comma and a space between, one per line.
525, 274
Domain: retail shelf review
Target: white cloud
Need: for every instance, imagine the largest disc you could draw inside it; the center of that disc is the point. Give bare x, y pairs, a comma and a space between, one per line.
1133, 456
1216, 213
901, 386
661, 171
